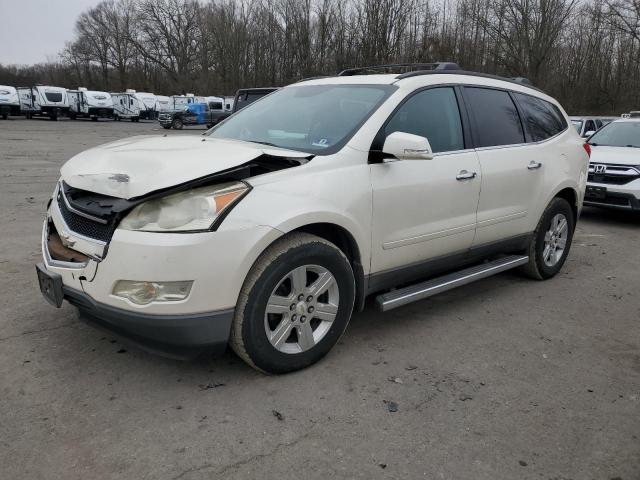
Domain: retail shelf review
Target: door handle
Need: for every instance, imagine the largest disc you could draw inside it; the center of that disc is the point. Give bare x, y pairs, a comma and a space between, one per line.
464, 175
534, 165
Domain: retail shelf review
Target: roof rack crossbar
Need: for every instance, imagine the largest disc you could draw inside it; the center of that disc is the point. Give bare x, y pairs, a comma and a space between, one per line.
409, 66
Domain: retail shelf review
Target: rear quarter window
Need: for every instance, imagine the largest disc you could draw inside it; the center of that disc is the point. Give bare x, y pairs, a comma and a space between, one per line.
495, 117
542, 119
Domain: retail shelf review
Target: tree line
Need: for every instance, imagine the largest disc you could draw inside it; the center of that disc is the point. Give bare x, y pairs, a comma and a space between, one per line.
586, 53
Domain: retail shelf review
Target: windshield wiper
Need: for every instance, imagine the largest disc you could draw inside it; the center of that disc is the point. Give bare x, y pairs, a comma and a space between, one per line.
263, 143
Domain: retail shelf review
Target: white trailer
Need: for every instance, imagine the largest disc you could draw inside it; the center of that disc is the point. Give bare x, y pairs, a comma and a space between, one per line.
215, 103
89, 104
43, 100
9, 102
147, 102
228, 103
181, 101
125, 105
163, 104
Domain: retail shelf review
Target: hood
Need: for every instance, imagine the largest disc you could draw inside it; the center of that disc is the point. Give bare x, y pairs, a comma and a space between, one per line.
615, 155
137, 166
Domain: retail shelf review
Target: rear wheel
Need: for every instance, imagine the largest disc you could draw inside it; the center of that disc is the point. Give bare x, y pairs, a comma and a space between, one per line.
551, 241
177, 124
5, 116
294, 305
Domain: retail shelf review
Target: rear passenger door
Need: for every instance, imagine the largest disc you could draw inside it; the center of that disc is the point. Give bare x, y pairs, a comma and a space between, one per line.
512, 172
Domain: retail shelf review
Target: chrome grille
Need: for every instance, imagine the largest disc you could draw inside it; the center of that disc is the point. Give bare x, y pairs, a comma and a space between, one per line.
613, 174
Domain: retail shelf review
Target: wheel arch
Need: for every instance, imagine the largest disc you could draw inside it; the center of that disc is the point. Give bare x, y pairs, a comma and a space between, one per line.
347, 244
571, 196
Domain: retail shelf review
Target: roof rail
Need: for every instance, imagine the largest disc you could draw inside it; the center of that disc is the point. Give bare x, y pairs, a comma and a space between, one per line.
523, 80
405, 66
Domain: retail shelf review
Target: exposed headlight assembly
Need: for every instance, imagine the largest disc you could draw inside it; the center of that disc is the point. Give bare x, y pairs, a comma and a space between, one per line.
193, 210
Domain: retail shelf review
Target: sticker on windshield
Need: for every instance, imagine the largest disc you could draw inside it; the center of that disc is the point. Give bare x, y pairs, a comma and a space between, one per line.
322, 143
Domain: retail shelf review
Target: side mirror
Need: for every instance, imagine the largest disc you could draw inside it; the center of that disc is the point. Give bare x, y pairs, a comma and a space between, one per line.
589, 133
406, 146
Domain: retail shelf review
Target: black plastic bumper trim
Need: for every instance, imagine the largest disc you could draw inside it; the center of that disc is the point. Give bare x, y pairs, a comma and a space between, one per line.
176, 336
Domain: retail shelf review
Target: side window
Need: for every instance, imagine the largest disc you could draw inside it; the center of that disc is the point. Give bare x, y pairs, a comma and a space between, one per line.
431, 113
598, 123
591, 126
215, 105
542, 119
496, 118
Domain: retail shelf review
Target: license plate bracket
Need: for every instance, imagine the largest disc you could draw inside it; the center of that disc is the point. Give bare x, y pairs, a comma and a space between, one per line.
596, 193
50, 285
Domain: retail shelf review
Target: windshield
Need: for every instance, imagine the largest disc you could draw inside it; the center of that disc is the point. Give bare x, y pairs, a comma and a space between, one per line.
618, 134
577, 124
318, 119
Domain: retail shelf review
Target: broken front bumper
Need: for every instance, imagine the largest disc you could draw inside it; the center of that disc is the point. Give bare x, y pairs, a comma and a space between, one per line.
178, 336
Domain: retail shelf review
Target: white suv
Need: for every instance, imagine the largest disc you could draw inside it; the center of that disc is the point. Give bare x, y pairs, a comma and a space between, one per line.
614, 173
269, 230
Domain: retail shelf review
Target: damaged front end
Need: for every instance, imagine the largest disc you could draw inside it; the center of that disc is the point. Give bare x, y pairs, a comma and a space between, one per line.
81, 222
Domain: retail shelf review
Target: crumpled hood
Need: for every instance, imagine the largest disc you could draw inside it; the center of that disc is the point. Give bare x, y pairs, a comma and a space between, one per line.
615, 155
137, 166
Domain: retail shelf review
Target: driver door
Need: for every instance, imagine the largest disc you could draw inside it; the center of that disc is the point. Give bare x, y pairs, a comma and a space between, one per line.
424, 209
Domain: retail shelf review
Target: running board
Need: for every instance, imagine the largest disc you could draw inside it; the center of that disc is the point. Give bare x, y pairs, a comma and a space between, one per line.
397, 298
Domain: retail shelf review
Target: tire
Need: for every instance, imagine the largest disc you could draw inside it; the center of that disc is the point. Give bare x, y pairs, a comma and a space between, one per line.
177, 124
94, 119
541, 266
5, 116
166, 127
270, 280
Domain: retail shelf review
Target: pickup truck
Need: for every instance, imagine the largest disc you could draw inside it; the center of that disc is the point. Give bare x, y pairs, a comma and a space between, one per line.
192, 114
243, 97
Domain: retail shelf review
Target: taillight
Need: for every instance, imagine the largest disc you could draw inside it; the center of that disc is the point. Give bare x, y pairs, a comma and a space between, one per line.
587, 148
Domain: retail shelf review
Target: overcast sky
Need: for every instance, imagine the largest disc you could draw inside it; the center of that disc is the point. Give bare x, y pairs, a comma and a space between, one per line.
33, 31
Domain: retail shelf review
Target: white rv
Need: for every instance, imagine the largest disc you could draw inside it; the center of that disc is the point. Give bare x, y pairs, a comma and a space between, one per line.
215, 103
180, 101
147, 102
163, 104
9, 103
43, 100
126, 105
89, 104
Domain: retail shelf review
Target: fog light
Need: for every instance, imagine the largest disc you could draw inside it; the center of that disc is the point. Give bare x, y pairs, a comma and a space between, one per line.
143, 293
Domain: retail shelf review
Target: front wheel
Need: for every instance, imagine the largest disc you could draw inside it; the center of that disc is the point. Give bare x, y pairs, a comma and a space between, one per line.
551, 241
177, 124
294, 305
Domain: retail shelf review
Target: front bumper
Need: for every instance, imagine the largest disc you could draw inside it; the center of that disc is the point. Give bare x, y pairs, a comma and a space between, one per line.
178, 336
621, 197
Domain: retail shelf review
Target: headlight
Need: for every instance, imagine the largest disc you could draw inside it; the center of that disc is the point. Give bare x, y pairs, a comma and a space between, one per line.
192, 210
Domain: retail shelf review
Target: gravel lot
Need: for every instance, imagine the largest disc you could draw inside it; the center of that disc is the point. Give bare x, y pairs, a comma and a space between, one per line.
503, 379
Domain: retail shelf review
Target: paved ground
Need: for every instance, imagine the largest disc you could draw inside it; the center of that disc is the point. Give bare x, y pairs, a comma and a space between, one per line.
504, 379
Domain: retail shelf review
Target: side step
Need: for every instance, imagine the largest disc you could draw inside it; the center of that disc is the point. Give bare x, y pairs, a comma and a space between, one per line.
419, 291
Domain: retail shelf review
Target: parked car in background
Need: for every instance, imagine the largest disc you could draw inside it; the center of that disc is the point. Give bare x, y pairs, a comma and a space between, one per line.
89, 104
614, 170
587, 126
192, 114
42, 100
9, 101
243, 97
126, 106
272, 228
